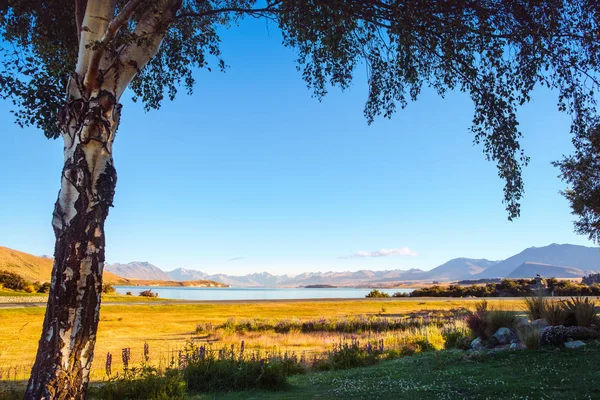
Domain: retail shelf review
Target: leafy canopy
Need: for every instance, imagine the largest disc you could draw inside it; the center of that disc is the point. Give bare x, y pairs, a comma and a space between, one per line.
497, 51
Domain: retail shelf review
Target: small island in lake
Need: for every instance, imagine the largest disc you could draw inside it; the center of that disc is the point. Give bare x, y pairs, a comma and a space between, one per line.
319, 286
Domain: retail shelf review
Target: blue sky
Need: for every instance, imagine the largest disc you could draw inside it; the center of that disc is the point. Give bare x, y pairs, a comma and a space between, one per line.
252, 174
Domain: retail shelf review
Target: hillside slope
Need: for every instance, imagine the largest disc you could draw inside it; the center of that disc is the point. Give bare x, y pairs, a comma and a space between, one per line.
531, 269
37, 269
563, 255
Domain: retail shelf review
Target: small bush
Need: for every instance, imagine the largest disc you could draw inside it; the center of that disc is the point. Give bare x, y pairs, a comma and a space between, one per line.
148, 293
107, 288
13, 281
230, 369
44, 288
457, 337
351, 355
144, 383
377, 294
478, 325
401, 294
534, 306
581, 311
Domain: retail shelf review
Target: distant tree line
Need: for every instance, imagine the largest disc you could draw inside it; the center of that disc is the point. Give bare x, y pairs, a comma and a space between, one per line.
590, 286
591, 279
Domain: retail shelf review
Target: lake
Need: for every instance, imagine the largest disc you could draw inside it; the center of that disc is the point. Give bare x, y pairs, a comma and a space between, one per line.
232, 293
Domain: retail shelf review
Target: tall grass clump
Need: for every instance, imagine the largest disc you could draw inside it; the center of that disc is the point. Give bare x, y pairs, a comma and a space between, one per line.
207, 369
457, 336
554, 313
581, 311
529, 336
497, 319
346, 355
535, 306
477, 321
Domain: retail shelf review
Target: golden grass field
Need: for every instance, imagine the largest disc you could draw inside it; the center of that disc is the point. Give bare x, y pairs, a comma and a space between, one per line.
167, 327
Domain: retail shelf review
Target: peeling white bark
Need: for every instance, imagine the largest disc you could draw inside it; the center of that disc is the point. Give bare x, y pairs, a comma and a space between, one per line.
88, 121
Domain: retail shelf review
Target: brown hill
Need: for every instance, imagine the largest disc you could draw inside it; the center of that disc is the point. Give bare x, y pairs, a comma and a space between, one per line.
39, 269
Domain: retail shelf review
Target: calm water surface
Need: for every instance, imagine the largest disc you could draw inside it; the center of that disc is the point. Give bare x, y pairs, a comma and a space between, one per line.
232, 293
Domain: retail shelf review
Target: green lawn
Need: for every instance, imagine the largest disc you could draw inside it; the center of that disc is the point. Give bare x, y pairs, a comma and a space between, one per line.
543, 374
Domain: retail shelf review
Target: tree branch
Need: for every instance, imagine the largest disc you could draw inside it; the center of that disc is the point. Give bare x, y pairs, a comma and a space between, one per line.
80, 6
111, 31
260, 12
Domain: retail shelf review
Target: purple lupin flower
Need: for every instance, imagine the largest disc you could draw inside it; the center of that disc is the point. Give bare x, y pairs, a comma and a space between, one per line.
146, 352
108, 364
126, 356
182, 360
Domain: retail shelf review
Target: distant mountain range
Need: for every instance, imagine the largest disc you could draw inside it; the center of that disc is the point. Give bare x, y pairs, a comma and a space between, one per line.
555, 260
138, 270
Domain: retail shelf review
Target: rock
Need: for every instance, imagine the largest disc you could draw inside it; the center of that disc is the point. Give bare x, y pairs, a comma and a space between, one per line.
557, 335
477, 344
576, 344
521, 321
502, 336
502, 347
538, 324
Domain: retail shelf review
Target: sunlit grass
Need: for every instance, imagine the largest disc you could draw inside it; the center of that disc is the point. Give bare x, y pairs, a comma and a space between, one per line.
166, 328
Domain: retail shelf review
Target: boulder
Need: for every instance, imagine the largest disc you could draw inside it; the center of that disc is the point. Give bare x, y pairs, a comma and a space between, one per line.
521, 321
576, 344
557, 335
477, 344
538, 324
502, 336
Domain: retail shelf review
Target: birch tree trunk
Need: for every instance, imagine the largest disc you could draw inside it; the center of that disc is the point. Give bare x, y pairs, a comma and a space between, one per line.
88, 121
66, 348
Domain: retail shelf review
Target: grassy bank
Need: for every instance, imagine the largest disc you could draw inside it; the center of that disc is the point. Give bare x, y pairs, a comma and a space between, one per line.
167, 327
541, 374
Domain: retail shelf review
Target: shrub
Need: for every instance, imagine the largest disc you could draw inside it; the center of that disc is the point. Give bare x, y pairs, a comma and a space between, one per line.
148, 293
529, 336
13, 281
377, 294
107, 288
581, 311
401, 294
44, 288
554, 313
351, 355
478, 325
457, 337
227, 369
145, 382
534, 306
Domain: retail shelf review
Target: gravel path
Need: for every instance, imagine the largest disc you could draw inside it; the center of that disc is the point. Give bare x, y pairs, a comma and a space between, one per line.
23, 299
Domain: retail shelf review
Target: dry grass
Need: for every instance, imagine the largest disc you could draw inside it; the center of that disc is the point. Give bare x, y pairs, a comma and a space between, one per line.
167, 327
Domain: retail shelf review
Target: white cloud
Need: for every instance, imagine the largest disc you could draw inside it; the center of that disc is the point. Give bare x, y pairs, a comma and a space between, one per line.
402, 251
